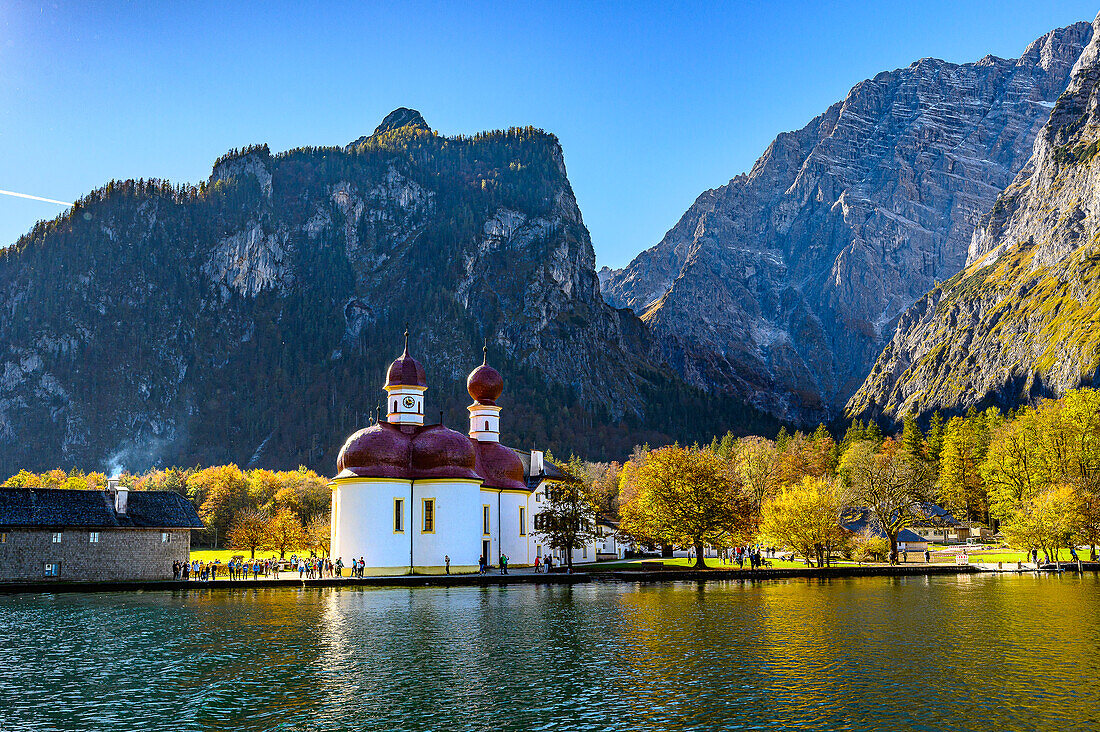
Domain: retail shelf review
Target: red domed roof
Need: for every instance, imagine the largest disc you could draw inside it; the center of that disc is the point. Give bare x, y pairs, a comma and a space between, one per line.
439, 452
406, 370
379, 451
485, 384
499, 466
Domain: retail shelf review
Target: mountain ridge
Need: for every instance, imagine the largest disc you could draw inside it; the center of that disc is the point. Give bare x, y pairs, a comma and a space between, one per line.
250, 318
1018, 323
781, 286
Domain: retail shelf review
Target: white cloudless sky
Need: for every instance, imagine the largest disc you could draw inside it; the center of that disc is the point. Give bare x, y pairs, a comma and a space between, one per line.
653, 102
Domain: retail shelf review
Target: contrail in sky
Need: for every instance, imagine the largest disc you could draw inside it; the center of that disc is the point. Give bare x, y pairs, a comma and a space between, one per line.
36, 198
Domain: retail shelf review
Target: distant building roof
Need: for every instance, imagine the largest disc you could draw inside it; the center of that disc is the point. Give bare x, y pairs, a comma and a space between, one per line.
859, 521
38, 507
550, 471
936, 515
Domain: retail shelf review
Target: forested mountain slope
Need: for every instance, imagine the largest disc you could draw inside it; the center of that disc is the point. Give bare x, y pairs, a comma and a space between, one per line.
250, 319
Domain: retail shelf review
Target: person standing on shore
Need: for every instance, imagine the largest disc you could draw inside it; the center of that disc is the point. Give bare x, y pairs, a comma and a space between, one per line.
447, 562
536, 565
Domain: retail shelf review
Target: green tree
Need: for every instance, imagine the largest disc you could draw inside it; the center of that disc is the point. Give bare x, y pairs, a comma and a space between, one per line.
934, 440
568, 518
912, 439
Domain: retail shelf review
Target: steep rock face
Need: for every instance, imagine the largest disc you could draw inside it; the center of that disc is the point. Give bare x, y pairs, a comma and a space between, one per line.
782, 285
1019, 322
251, 319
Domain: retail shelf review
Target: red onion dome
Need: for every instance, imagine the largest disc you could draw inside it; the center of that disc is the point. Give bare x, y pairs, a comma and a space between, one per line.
406, 370
499, 466
438, 452
485, 383
379, 451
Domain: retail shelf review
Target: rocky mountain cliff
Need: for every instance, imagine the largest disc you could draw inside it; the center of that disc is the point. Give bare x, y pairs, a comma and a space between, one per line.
251, 318
782, 286
1020, 322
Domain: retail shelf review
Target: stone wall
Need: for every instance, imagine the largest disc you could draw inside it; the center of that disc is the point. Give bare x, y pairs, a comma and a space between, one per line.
120, 554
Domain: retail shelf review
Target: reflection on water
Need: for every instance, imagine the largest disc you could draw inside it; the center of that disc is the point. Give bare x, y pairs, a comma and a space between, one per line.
966, 653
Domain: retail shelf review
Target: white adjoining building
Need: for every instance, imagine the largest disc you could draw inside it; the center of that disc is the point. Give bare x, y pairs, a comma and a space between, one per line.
407, 494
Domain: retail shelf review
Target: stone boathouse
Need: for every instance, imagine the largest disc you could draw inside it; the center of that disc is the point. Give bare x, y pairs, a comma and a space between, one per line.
91, 535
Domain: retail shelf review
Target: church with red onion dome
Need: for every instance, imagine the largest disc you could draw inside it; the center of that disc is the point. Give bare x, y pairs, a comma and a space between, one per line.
408, 496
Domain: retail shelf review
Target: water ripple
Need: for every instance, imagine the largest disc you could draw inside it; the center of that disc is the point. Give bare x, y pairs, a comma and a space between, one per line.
944, 653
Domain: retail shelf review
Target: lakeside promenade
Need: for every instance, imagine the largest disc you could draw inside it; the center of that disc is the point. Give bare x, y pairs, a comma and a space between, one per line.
526, 576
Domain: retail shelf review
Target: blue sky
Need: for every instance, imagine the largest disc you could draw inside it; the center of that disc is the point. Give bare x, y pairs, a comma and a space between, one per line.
653, 103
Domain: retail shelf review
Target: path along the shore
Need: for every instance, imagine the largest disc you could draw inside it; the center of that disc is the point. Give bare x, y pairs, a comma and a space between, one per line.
592, 573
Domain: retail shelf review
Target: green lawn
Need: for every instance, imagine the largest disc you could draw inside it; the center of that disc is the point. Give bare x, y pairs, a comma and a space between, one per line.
685, 563
224, 555
1003, 555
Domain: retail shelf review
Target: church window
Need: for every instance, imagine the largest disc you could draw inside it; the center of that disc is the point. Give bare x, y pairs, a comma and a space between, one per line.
485, 519
522, 521
427, 516
398, 516
486, 425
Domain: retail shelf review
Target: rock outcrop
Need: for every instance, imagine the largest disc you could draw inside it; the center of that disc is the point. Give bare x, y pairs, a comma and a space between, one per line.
782, 286
1020, 322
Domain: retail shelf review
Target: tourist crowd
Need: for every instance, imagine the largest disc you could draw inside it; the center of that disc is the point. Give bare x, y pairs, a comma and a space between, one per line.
240, 569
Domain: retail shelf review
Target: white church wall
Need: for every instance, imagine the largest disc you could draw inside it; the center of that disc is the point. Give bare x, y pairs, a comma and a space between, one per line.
363, 523
516, 545
457, 525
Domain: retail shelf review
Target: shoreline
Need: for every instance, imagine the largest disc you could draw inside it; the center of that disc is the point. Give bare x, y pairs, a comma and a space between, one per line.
525, 578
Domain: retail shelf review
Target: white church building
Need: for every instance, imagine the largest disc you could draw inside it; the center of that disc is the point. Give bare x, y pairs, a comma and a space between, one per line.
407, 495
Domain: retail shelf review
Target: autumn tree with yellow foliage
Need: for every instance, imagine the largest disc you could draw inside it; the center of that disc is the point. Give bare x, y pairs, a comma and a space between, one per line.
684, 497
806, 517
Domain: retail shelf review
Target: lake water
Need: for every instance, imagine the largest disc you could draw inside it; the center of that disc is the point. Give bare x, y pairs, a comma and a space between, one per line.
942, 653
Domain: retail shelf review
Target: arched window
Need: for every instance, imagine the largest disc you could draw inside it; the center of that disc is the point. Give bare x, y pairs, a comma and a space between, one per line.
486, 425
395, 405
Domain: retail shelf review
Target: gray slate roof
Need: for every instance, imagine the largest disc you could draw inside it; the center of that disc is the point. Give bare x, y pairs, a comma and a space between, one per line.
549, 470
37, 507
858, 521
